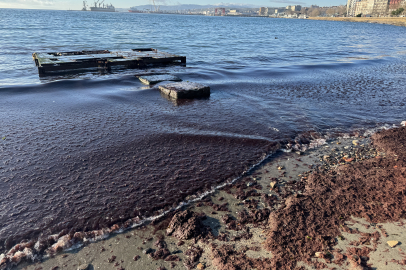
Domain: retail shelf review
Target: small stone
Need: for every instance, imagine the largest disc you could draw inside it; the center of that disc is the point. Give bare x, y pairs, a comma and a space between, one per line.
273, 184
392, 243
318, 254
200, 266
338, 142
326, 157
355, 142
147, 251
299, 153
112, 259
250, 184
280, 167
346, 147
180, 243
403, 123
136, 258
83, 267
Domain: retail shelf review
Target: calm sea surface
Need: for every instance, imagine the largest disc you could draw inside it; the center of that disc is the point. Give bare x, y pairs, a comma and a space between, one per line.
85, 151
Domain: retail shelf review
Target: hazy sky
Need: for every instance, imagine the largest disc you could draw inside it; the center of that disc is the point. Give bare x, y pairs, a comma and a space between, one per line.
77, 4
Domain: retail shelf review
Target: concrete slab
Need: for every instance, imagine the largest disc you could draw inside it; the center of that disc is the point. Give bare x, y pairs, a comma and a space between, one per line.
153, 79
185, 90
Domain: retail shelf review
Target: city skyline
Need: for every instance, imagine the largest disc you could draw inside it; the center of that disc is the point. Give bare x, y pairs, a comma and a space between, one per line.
64, 5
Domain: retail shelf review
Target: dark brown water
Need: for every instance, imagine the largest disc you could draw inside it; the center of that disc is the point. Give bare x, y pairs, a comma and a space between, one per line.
88, 151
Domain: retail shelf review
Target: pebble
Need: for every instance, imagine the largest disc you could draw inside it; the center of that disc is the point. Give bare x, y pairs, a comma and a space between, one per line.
83, 267
273, 184
355, 142
280, 167
200, 266
147, 251
250, 184
318, 254
392, 243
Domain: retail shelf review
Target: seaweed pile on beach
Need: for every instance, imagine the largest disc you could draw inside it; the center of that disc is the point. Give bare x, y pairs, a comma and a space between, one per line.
368, 182
308, 225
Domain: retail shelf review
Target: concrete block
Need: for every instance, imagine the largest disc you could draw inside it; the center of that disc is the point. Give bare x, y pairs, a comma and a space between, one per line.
185, 90
153, 79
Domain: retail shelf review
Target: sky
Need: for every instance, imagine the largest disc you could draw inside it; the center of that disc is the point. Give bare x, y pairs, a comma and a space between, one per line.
77, 4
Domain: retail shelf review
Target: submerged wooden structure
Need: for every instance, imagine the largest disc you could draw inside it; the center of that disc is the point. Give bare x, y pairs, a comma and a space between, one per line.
104, 59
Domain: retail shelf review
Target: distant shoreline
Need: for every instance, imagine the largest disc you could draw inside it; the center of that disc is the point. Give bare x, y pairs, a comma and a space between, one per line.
381, 20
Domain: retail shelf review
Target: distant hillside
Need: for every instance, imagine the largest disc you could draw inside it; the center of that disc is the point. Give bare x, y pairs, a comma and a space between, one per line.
190, 6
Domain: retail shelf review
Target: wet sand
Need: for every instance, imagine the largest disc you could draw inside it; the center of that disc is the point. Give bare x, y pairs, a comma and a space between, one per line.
242, 243
380, 20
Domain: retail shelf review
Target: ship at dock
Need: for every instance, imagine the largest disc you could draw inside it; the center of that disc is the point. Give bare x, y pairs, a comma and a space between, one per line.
99, 6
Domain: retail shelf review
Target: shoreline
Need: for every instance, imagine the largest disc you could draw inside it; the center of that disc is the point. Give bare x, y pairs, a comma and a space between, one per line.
225, 232
397, 21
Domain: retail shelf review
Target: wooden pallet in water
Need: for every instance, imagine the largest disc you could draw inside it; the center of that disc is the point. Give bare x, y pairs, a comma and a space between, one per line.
104, 59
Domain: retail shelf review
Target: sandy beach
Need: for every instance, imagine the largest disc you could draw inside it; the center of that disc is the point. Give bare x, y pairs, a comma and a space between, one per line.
293, 211
398, 21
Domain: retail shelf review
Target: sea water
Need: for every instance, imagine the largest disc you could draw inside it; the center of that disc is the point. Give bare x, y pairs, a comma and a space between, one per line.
81, 152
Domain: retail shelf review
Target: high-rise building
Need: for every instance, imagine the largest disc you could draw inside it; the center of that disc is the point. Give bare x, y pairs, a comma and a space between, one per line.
263, 11
365, 7
351, 5
380, 7
296, 8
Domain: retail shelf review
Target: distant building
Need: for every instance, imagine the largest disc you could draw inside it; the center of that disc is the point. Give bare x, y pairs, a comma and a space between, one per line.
395, 4
296, 8
364, 7
263, 11
220, 11
380, 7
279, 10
372, 7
